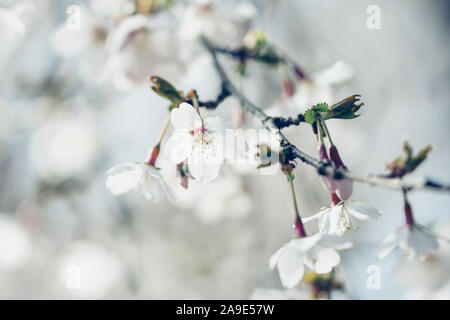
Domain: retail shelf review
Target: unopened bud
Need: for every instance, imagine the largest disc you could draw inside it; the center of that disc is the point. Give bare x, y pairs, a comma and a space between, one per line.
328, 183
344, 187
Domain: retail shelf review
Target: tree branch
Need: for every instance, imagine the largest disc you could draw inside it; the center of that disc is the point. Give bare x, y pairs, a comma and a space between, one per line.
292, 152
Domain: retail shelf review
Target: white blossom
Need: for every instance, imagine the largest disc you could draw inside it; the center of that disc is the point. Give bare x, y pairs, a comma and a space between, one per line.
148, 179
415, 241
319, 87
336, 220
65, 145
198, 141
299, 254
137, 47
15, 245
88, 270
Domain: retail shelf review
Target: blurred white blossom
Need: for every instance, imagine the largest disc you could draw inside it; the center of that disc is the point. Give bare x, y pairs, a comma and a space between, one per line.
15, 245
415, 241
65, 145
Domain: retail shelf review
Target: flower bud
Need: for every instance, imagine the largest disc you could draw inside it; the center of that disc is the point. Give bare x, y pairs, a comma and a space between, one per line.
335, 158
328, 183
344, 187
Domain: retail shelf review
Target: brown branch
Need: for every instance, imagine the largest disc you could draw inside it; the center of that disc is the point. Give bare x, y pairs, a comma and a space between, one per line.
292, 152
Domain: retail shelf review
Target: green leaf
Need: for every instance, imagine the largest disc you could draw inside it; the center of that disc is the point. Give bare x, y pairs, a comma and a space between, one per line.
321, 107
310, 117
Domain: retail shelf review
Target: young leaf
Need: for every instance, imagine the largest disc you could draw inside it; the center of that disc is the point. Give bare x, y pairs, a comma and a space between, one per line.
310, 117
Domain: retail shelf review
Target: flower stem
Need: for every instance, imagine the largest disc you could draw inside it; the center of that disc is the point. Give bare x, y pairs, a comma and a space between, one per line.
408, 210
298, 225
319, 130
155, 151
325, 128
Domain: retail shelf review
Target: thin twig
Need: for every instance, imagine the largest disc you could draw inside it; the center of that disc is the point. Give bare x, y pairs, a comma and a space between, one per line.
325, 169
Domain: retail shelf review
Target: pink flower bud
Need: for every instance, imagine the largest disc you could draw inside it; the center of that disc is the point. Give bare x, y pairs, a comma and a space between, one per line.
327, 182
335, 158
344, 188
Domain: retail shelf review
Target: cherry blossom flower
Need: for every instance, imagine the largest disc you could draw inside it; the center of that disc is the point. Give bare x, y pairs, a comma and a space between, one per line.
148, 179
414, 240
336, 220
313, 253
138, 46
212, 17
196, 140
319, 86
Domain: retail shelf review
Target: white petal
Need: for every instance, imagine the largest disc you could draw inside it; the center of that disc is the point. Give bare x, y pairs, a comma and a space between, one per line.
151, 189
275, 257
324, 259
362, 211
305, 243
206, 158
123, 167
213, 124
202, 171
422, 242
391, 242
335, 243
315, 216
333, 221
170, 191
123, 178
179, 145
337, 73
290, 267
185, 117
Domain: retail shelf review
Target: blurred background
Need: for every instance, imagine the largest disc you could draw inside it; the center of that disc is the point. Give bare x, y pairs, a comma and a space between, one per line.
75, 101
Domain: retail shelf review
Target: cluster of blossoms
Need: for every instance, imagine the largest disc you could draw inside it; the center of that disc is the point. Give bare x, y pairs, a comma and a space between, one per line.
196, 151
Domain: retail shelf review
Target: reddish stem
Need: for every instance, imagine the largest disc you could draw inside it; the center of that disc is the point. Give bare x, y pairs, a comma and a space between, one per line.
154, 155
